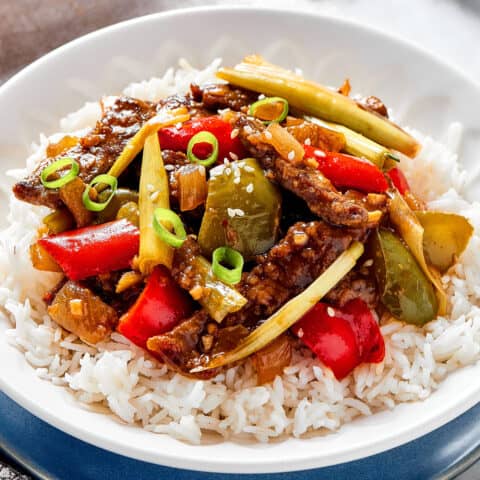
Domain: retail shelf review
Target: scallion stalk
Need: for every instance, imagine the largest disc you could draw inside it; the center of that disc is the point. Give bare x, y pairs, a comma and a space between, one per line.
153, 194
258, 75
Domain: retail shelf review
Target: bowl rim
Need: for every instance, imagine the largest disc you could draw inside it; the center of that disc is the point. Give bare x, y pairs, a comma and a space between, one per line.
243, 465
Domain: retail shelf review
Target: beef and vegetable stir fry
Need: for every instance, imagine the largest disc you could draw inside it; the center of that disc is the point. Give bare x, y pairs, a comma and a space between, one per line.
241, 220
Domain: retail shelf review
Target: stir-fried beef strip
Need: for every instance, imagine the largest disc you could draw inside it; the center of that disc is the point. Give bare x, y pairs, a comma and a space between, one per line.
96, 152
306, 182
322, 198
219, 96
280, 274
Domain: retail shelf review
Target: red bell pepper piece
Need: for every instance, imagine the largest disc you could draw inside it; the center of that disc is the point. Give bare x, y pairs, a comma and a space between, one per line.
342, 338
157, 310
173, 138
345, 171
94, 250
399, 180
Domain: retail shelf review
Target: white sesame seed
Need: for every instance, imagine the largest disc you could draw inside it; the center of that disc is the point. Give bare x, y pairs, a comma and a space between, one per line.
319, 153
261, 96
236, 171
268, 135
150, 188
330, 312
234, 133
248, 129
154, 196
236, 180
228, 171
169, 168
308, 141
226, 161
249, 188
231, 212
291, 155
248, 168
241, 164
240, 212
300, 333
368, 263
233, 156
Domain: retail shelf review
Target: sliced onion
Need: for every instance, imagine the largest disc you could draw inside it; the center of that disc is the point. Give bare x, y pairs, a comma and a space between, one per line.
192, 186
283, 142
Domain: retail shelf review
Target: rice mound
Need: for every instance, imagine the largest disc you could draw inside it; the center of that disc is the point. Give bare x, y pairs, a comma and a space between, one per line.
307, 396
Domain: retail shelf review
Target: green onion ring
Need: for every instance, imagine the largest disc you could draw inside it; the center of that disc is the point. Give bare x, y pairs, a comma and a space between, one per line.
55, 167
203, 137
111, 181
264, 101
175, 239
232, 257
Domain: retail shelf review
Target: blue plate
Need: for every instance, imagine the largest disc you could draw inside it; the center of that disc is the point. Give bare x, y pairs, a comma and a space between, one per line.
49, 453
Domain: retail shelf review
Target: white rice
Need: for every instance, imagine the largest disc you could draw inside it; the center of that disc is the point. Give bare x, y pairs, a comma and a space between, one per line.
307, 397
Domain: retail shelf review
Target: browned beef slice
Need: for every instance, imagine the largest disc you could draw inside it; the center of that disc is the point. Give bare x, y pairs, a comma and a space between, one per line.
308, 183
219, 96
96, 152
321, 197
282, 273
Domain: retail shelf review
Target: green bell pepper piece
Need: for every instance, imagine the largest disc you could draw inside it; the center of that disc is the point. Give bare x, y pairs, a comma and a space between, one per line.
242, 210
406, 292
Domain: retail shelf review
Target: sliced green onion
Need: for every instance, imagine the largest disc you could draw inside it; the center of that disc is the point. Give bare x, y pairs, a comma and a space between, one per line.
55, 167
163, 215
233, 258
107, 179
203, 137
267, 101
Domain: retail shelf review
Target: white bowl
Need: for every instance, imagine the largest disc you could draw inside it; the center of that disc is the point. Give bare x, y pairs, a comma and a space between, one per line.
424, 93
